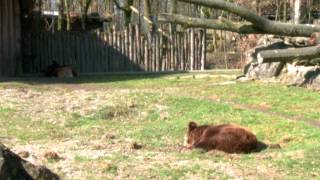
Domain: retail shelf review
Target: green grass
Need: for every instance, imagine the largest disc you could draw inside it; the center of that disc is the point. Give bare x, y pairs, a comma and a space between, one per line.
92, 123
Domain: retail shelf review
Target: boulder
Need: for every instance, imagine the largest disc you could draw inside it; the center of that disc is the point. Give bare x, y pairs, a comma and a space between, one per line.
305, 76
253, 70
299, 72
13, 167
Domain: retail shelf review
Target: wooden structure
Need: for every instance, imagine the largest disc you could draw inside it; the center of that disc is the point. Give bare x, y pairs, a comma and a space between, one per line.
116, 51
10, 32
30, 51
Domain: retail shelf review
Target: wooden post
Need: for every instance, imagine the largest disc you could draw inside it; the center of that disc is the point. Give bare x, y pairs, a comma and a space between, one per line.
157, 51
146, 64
109, 48
115, 53
138, 46
161, 52
118, 45
154, 50
186, 50
172, 62
134, 50
196, 51
105, 52
127, 50
181, 51
192, 50
122, 51
204, 49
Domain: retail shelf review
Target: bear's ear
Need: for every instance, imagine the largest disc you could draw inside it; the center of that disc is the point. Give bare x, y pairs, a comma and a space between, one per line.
192, 125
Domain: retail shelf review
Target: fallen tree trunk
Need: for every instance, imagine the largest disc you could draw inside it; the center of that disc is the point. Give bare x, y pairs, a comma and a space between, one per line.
219, 24
258, 24
285, 55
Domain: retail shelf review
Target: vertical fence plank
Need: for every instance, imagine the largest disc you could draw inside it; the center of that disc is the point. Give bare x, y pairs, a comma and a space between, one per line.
126, 48
182, 52
178, 49
196, 53
93, 54
82, 53
130, 47
115, 56
146, 64
122, 51
100, 50
192, 49
179, 52
104, 58
204, 47
109, 49
134, 47
137, 35
160, 51
38, 56
168, 62
154, 55
158, 47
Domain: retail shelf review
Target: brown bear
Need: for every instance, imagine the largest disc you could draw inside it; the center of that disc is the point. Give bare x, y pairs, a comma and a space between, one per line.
60, 71
227, 137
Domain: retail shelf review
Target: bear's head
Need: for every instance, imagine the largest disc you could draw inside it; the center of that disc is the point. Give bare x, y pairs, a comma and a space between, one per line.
191, 136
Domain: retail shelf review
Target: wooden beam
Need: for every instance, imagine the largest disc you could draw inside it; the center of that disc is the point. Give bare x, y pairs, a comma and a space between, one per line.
259, 22
284, 55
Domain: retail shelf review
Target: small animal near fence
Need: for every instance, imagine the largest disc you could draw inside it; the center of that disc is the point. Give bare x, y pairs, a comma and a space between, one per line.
116, 51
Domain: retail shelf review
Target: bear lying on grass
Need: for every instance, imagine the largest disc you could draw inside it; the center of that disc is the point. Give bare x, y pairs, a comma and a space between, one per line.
227, 137
60, 71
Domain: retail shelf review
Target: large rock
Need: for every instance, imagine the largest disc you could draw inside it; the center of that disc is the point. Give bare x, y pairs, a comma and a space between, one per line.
299, 72
12, 167
306, 76
254, 70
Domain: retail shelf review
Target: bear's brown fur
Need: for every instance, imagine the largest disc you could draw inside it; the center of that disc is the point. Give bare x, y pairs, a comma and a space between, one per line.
227, 137
60, 71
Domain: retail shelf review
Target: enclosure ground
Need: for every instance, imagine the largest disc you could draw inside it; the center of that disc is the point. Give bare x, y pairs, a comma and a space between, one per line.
97, 124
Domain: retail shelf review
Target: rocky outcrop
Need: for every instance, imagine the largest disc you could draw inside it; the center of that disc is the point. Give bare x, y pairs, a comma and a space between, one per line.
305, 76
297, 72
253, 69
13, 167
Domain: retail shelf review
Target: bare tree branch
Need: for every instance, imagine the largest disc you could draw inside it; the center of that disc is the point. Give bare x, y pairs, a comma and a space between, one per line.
220, 24
264, 25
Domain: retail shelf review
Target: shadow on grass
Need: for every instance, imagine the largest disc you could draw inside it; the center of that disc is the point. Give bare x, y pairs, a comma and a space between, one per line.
34, 80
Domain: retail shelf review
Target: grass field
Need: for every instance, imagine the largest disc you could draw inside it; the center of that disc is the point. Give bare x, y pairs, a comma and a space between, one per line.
93, 122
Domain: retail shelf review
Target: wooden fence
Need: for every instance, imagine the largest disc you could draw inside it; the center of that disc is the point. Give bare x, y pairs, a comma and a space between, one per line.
116, 51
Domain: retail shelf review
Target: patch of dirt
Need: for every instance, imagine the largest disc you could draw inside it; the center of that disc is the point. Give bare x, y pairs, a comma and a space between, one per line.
51, 155
53, 105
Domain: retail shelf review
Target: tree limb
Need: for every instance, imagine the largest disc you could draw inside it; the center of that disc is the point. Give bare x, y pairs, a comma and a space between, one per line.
243, 12
264, 25
220, 24
285, 55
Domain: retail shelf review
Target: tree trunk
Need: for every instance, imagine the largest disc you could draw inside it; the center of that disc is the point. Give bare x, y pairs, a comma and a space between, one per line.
257, 25
284, 10
66, 5
285, 55
296, 11
60, 17
85, 4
